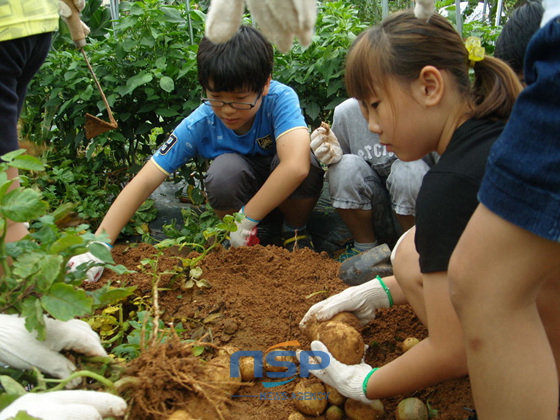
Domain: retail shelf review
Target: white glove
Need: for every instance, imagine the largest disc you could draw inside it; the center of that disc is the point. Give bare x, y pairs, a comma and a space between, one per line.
424, 9
246, 233
65, 12
20, 348
67, 405
94, 273
325, 146
362, 301
279, 20
346, 379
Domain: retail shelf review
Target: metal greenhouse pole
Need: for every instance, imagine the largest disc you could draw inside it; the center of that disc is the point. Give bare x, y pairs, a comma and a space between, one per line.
459, 17
189, 21
499, 12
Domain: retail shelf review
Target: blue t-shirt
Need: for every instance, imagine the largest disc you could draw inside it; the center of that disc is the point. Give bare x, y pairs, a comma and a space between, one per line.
202, 133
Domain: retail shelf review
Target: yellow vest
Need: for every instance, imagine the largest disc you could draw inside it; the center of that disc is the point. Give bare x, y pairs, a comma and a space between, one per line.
21, 18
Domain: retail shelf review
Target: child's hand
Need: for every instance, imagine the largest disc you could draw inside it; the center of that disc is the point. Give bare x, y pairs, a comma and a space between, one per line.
325, 145
279, 20
246, 233
20, 348
346, 379
83, 405
94, 273
363, 301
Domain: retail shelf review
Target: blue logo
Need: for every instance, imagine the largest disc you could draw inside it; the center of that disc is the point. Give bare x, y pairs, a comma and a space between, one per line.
290, 368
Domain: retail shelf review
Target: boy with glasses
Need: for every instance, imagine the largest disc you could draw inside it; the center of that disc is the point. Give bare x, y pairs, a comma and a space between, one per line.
252, 130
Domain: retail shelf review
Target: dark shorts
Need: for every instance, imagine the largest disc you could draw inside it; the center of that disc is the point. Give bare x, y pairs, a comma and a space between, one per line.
522, 178
20, 59
233, 179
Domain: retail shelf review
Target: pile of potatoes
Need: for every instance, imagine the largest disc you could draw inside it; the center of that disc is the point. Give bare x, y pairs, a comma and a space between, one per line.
342, 337
335, 407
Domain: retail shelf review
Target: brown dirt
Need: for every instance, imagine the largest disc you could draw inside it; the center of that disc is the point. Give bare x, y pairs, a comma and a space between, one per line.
257, 297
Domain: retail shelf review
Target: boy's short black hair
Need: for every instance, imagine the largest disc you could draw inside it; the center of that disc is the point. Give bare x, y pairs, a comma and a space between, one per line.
243, 62
516, 33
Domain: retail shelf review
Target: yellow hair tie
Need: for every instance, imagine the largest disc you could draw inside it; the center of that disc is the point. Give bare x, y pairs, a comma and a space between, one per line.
475, 49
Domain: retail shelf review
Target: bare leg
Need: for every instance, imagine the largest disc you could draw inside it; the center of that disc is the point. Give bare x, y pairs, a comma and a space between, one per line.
496, 273
407, 272
359, 223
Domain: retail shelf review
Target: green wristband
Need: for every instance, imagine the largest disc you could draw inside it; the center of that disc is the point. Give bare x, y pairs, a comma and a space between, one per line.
386, 291
364, 384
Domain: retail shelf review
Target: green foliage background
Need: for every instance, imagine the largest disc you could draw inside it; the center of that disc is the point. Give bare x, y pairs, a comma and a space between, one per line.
146, 65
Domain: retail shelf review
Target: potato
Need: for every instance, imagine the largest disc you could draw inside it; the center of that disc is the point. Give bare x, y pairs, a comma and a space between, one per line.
180, 415
269, 368
341, 335
217, 372
356, 410
296, 416
408, 343
348, 318
334, 412
247, 368
344, 343
311, 407
345, 317
411, 409
334, 397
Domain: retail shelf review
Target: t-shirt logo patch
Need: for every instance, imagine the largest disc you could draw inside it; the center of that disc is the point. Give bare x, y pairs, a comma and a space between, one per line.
265, 142
168, 144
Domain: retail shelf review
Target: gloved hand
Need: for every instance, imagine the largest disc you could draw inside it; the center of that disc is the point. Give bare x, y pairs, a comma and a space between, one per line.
246, 233
362, 301
94, 273
20, 348
65, 11
279, 20
346, 379
67, 405
424, 9
325, 145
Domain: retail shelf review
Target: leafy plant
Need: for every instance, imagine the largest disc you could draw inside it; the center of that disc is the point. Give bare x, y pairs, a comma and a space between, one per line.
34, 279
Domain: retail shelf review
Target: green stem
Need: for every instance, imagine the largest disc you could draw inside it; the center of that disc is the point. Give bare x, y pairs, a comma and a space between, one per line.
79, 374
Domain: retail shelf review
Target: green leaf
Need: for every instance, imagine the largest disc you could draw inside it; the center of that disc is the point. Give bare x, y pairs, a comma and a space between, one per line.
62, 244
138, 80
49, 270
106, 295
64, 302
11, 386
27, 162
100, 251
6, 400
22, 205
34, 320
167, 83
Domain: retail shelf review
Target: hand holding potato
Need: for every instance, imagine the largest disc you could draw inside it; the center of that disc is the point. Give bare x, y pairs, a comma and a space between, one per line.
362, 301
325, 145
346, 379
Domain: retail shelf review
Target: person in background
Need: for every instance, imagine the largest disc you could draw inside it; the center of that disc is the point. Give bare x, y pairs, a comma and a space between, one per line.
253, 131
516, 33
505, 270
25, 38
366, 183
411, 78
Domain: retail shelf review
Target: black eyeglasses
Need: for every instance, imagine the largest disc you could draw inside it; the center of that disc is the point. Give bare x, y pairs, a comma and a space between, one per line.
236, 105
